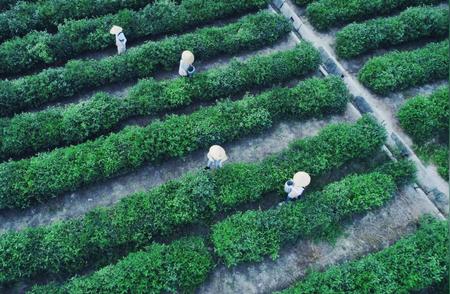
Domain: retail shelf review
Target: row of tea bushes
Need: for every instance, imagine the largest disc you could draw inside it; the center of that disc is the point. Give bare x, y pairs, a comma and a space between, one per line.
27, 16
248, 33
38, 49
413, 263
324, 14
104, 234
411, 25
180, 266
32, 132
397, 71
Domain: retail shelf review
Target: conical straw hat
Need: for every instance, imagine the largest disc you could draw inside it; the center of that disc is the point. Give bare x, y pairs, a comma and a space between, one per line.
187, 57
115, 30
217, 153
302, 179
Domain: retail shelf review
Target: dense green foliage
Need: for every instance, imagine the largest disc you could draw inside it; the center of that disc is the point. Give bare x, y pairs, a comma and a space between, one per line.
397, 71
437, 153
250, 32
303, 2
28, 133
77, 36
47, 14
178, 267
413, 24
324, 14
104, 234
413, 263
7, 4
250, 236
50, 174
426, 118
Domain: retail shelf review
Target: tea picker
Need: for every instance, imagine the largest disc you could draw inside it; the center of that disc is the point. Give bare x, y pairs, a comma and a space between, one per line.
121, 41
216, 157
187, 68
295, 187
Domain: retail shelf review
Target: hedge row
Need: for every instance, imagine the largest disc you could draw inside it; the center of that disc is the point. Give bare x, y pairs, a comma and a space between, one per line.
74, 37
413, 263
250, 32
252, 235
413, 24
47, 14
397, 71
438, 154
324, 14
50, 174
179, 267
426, 118
105, 234
28, 133
8, 4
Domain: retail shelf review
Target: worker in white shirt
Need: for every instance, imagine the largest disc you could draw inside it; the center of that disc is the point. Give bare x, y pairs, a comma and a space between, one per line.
216, 157
186, 68
121, 41
295, 187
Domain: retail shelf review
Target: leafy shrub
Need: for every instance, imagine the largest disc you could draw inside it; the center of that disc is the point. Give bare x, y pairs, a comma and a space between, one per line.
178, 267
412, 24
324, 14
397, 71
250, 32
105, 234
28, 133
438, 154
78, 36
50, 174
413, 263
426, 118
304, 2
252, 235
27, 16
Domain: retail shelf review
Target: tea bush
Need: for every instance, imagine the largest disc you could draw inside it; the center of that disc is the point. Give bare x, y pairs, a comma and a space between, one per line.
426, 118
105, 234
249, 33
28, 133
324, 14
413, 24
397, 71
38, 49
413, 263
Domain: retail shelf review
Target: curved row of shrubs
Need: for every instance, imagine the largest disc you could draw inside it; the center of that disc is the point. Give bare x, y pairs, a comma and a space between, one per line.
103, 280
105, 234
397, 71
252, 235
27, 16
50, 174
38, 49
8, 4
28, 133
426, 117
324, 14
413, 24
415, 262
179, 267
250, 32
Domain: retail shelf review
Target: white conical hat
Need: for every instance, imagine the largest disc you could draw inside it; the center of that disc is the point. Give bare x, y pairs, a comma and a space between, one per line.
187, 57
302, 179
217, 153
115, 30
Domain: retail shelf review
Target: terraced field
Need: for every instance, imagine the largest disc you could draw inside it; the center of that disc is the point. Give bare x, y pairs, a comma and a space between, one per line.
102, 180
